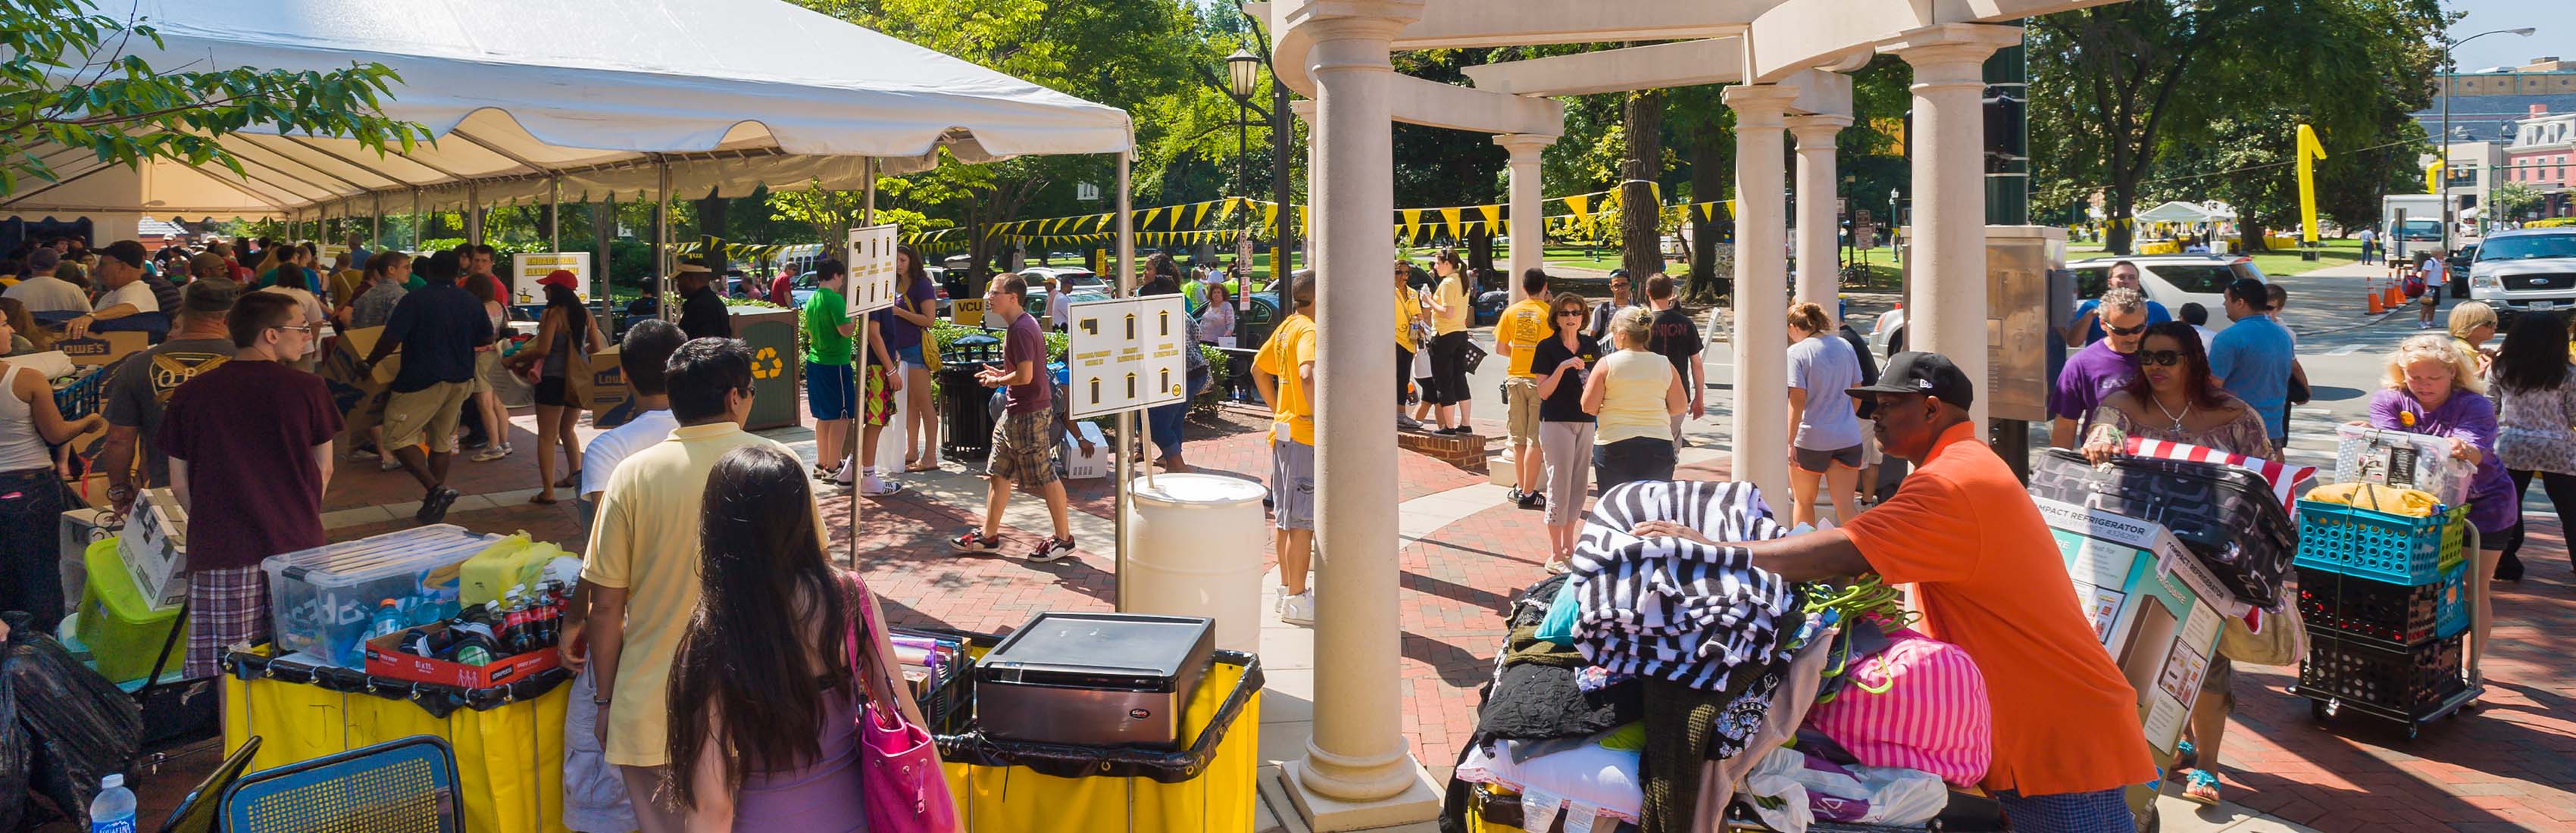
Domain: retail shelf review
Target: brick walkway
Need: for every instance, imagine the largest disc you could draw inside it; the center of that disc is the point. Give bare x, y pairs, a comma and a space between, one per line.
2508, 766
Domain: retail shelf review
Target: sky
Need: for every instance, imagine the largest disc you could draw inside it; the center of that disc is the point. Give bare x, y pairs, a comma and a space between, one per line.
2556, 20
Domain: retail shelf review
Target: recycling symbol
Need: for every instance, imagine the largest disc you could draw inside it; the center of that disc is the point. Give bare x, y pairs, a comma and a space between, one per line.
765, 364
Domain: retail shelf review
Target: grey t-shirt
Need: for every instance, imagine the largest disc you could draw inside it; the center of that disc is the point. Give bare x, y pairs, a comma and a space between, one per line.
143, 383
375, 306
1825, 367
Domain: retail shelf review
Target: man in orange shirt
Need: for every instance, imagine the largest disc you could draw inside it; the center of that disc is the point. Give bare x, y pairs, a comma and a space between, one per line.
1989, 579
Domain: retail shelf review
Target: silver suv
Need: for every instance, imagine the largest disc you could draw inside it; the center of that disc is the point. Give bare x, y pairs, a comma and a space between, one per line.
2526, 270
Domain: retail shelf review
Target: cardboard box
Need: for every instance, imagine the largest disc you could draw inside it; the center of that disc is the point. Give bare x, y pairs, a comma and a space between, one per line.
386, 659
79, 528
353, 346
2154, 607
155, 547
1080, 466
103, 348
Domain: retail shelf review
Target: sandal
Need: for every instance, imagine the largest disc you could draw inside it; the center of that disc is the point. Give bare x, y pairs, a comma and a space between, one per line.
541, 499
570, 481
2200, 786
920, 468
1559, 565
2186, 756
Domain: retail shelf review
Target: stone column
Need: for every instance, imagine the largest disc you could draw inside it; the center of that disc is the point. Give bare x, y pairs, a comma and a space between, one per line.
1529, 233
1760, 454
1819, 261
1949, 264
1358, 771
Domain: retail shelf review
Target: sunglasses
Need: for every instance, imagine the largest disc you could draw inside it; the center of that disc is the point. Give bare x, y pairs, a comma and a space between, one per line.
2162, 358
2126, 331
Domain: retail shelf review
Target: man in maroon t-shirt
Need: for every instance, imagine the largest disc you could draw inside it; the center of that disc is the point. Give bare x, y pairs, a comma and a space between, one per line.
1023, 446
781, 287
257, 434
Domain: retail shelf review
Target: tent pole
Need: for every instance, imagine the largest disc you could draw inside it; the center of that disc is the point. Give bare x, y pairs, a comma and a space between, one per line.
662, 240
554, 213
376, 224
1127, 439
603, 226
415, 219
867, 217
473, 214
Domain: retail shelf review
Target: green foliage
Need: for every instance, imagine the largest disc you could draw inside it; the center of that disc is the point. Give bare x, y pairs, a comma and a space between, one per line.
67, 82
2507, 199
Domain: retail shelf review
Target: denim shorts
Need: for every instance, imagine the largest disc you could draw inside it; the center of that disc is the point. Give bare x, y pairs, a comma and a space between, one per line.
911, 356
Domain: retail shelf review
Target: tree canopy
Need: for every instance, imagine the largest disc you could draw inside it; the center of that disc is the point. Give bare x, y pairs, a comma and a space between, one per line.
69, 81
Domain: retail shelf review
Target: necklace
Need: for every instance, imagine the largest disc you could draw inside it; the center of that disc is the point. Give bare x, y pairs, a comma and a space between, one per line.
2169, 414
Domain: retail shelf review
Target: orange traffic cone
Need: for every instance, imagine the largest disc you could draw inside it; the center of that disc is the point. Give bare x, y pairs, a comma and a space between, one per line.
2395, 296
2375, 306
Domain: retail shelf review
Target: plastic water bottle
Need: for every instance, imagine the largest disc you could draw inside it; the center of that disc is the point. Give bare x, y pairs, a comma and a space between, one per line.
113, 810
389, 619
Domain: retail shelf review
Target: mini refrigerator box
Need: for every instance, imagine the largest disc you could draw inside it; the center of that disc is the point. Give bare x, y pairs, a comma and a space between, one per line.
1080, 466
385, 658
1094, 679
155, 546
2154, 606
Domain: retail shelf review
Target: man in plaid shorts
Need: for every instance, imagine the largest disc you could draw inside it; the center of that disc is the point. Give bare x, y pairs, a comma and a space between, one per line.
258, 434
1023, 446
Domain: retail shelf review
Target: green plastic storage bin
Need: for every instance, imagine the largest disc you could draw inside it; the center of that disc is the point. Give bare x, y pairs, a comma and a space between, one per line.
123, 632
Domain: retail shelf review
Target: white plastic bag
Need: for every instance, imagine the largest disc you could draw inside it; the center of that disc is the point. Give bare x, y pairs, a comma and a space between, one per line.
1809, 789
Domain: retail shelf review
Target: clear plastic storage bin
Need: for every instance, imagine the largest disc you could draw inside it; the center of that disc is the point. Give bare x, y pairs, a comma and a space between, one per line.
323, 600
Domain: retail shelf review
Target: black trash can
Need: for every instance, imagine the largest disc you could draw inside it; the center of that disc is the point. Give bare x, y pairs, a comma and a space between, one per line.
966, 427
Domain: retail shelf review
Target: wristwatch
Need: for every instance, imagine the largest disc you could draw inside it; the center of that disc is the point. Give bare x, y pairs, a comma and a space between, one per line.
120, 493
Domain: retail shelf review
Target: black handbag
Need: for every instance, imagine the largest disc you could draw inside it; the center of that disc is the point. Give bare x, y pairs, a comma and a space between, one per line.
2227, 516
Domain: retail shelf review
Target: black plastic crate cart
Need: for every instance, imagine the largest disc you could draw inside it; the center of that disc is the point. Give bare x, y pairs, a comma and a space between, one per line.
2389, 650
82, 396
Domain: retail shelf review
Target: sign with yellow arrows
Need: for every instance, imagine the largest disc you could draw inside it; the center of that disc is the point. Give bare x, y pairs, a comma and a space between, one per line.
1125, 354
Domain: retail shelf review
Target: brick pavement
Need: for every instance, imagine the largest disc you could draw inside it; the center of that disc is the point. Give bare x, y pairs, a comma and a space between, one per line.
2510, 765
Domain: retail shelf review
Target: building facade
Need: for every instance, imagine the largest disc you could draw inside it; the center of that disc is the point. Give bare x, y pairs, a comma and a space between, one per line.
2542, 156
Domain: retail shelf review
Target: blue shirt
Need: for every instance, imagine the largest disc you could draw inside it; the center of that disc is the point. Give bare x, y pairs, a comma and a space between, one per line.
438, 326
2252, 359
2156, 314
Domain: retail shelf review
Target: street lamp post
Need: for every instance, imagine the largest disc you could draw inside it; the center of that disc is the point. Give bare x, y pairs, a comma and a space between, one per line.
2448, 70
1242, 71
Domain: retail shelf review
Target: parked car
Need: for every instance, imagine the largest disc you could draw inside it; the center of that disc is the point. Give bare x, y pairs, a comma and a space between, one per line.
2171, 280
2458, 264
1071, 277
2525, 270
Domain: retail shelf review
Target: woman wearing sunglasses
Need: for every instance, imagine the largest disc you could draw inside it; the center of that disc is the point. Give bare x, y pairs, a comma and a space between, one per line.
1564, 428
2172, 398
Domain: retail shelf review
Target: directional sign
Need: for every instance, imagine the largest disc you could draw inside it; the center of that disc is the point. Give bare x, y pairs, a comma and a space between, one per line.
529, 267
872, 276
1125, 354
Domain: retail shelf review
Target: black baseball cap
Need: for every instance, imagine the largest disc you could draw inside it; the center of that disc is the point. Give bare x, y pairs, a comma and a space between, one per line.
1931, 374
126, 250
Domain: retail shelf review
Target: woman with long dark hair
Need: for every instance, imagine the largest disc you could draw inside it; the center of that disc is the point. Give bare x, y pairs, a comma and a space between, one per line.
2535, 405
915, 312
564, 328
2171, 398
765, 696
1452, 307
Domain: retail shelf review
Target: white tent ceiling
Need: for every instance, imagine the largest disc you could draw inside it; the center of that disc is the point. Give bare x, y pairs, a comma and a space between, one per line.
519, 93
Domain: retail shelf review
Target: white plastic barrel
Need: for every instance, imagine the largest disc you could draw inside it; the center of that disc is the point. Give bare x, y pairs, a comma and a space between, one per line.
1194, 549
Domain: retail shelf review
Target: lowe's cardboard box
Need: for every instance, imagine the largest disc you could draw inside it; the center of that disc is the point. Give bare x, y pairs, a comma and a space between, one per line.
2154, 607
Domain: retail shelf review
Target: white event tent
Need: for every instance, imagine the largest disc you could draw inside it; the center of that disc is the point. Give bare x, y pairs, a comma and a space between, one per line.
589, 99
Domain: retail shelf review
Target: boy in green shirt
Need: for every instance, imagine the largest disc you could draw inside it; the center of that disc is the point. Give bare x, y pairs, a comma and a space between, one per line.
831, 392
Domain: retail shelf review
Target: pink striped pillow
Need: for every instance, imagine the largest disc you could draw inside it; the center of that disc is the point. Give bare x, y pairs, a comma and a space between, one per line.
1933, 716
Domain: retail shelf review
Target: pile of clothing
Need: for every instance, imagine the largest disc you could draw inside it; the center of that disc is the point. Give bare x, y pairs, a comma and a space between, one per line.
1642, 690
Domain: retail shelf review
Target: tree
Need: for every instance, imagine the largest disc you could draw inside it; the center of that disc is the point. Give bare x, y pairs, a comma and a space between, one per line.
68, 82
2507, 199
1640, 236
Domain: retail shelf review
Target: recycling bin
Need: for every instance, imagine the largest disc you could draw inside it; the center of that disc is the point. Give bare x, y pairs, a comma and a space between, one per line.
777, 366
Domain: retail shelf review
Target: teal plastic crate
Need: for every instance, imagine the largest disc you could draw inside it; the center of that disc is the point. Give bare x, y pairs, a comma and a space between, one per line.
2380, 546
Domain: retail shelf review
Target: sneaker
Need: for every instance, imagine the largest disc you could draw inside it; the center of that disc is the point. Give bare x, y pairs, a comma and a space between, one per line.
878, 488
1051, 549
362, 454
975, 541
1533, 500
1519, 498
433, 508
388, 464
474, 441
493, 453
1298, 609
1406, 423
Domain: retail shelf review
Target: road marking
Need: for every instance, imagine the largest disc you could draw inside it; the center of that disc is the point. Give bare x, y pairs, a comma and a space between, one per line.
2345, 350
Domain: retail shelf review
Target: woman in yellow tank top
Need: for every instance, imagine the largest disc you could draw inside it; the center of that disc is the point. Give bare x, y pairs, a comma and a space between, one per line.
1633, 395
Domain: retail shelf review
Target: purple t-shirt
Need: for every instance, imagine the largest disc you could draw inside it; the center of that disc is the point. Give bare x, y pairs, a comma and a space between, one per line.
1023, 342
2090, 376
2466, 416
898, 333
247, 430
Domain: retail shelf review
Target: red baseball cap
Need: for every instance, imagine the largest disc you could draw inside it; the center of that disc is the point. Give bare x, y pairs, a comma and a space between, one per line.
560, 277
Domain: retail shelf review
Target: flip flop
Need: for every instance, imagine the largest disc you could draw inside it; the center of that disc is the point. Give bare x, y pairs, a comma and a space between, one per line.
541, 500
570, 481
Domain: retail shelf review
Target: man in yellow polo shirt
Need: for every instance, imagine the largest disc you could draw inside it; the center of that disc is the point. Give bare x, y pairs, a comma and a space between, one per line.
1518, 334
1284, 370
640, 571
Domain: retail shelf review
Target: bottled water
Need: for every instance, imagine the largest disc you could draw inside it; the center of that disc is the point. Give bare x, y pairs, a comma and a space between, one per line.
113, 810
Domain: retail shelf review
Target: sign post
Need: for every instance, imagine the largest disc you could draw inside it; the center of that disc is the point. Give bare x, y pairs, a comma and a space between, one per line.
870, 287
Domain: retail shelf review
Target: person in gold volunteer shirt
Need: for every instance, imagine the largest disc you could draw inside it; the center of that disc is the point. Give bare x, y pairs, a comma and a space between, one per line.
1518, 334
1284, 371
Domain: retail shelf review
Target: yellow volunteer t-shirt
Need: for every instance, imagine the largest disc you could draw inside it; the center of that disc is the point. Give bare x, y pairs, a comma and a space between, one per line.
1452, 293
1634, 405
646, 542
1291, 346
1408, 309
1523, 326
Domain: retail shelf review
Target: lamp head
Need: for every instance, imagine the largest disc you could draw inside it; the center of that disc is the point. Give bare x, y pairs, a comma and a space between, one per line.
1242, 69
